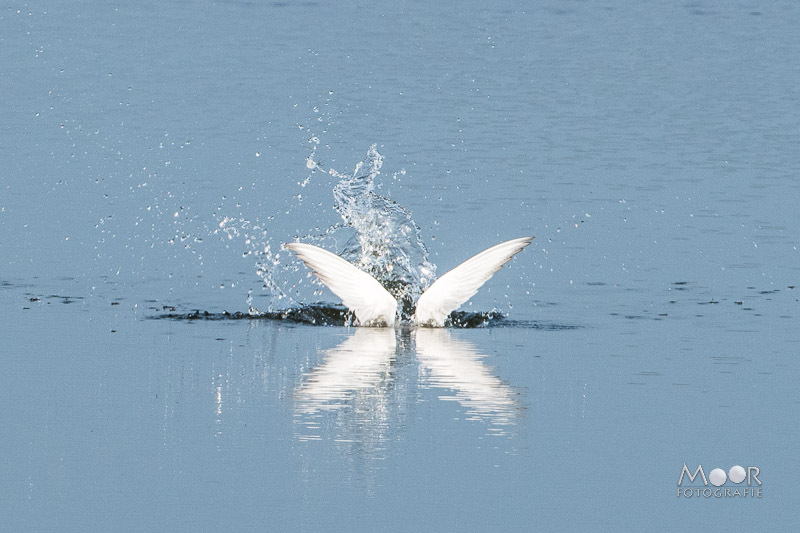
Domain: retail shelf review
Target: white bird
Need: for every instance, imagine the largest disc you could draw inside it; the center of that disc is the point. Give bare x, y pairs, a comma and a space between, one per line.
374, 306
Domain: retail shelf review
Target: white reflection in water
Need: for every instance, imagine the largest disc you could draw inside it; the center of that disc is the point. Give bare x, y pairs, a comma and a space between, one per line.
353, 380
456, 365
358, 393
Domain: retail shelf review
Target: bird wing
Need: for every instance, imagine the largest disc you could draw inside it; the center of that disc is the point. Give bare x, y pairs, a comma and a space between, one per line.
460, 284
360, 292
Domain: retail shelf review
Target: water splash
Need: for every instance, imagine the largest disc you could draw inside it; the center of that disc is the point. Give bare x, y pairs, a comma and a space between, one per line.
385, 241
257, 244
375, 233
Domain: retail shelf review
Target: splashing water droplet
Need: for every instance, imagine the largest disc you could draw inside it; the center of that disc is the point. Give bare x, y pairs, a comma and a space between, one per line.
385, 241
378, 235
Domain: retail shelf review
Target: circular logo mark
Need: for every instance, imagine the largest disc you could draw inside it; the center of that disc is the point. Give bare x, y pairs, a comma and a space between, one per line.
717, 477
736, 474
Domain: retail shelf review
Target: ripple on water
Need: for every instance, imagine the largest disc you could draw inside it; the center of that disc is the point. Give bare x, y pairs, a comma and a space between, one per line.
321, 314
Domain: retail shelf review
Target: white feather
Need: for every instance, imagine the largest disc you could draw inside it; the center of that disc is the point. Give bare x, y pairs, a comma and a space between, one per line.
460, 284
360, 292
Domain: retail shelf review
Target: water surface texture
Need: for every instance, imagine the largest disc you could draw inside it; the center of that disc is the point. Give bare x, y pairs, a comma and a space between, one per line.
167, 366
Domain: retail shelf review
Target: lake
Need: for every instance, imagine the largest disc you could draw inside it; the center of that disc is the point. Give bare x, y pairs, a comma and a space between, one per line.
168, 366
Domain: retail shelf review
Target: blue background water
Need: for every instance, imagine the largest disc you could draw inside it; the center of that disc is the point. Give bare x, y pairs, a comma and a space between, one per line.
652, 150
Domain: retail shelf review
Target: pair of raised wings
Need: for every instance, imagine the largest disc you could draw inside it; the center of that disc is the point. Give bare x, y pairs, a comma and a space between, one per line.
374, 306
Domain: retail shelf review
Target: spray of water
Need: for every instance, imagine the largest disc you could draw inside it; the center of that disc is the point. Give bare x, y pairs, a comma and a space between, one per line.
376, 234
385, 240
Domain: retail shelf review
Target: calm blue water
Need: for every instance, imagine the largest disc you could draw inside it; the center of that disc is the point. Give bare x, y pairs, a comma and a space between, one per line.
156, 155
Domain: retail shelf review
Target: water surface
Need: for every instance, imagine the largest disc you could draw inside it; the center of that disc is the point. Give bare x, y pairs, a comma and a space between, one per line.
157, 155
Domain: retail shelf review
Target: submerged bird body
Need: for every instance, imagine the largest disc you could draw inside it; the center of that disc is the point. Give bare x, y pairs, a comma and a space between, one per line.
374, 306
